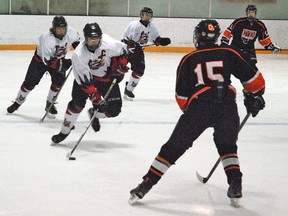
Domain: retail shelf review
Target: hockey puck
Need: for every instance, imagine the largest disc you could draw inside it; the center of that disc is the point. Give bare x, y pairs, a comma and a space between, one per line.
72, 158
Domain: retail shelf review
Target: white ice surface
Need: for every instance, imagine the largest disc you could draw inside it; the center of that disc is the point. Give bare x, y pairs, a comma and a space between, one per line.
37, 179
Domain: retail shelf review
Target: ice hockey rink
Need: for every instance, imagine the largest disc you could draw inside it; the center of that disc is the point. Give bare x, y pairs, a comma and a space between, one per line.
37, 179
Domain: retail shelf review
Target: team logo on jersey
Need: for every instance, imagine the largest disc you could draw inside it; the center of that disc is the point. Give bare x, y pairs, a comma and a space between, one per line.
60, 51
247, 35
99, 62
143, 38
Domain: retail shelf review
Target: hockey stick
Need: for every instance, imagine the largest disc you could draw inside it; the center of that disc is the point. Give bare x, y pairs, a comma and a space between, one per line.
205, 179
69, 154
55, 98
147, 45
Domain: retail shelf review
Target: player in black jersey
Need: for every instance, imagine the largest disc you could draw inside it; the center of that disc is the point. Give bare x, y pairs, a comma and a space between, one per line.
205, 95
245, 30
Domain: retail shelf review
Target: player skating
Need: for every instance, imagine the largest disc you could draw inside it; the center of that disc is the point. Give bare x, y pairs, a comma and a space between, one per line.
205, 95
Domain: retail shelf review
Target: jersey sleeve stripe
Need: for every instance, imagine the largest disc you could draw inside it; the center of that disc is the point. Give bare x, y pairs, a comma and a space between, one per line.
256, 84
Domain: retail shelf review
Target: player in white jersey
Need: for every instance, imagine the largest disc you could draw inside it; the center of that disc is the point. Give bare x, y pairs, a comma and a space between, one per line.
97, 61
49, 56
143, 32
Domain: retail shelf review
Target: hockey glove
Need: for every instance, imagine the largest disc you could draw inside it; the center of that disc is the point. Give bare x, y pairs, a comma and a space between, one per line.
94, 95
274, 47
253, 103
132, 46
98, 101
162, 41
224, 41
118, 67
59, 65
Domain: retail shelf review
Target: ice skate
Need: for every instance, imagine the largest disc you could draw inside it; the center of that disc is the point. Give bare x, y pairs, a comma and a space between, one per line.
52, 111
128, 95
95, 123
140, 191
13, 107
58, 138
235, 191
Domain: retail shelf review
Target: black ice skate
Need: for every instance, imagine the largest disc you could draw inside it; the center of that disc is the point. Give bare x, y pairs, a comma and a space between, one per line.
59, 138
95, 123
140, 191
52, 111
235, 191
13, 107
128, 95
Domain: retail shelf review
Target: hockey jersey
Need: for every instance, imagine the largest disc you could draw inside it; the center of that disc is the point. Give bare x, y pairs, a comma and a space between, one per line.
140, 33
51, 47
87, 64
244, 33
198, 71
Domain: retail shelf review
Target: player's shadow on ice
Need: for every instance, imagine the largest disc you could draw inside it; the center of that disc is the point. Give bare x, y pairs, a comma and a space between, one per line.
194, 209
91, 146
34, 119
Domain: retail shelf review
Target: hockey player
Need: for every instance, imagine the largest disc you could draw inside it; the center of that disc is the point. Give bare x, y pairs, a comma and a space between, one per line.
142, 32
49, 56
96, 62
205, 95
244, 31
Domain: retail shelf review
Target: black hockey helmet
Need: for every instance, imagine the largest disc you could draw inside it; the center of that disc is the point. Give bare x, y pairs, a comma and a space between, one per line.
59, 21
251, 7
147, 10
207, 31
92, 30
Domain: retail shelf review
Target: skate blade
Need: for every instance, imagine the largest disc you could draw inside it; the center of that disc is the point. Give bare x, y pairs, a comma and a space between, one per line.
133, 198
127, 98
235, 202
51, 116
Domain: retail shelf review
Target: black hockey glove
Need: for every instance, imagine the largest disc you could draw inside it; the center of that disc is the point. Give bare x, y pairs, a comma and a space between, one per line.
162, 41
59, 65
66, 64
274, 47
253, 103
132, 46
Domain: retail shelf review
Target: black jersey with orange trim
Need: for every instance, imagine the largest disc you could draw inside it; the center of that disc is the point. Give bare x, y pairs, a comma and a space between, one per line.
245, 33
199, 70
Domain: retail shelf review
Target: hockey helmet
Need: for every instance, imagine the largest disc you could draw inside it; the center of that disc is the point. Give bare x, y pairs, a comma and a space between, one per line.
251, 7
92, 30
149, 15
251, 17
59, 21
146, 10
207, 31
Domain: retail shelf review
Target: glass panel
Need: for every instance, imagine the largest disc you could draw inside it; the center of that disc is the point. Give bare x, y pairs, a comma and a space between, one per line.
68, 7
266, 9
29, 7
160, 7
108, 7
190, 8
4, 7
